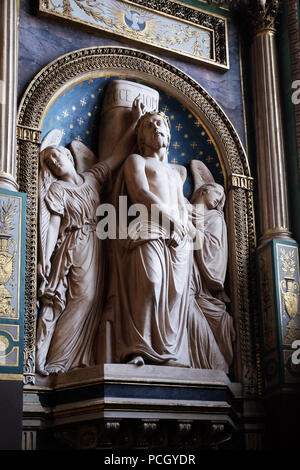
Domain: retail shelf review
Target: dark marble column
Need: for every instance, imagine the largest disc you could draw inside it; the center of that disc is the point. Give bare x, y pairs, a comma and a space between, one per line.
277, 255
12, 211
8, 92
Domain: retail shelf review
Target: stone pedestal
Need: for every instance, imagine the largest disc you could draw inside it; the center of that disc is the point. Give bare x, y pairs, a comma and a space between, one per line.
278, 265
122, 406
12, 257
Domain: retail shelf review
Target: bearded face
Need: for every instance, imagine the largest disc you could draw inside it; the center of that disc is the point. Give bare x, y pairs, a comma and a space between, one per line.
154, 133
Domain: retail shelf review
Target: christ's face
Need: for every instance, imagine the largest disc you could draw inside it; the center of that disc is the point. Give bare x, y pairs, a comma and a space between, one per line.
155, 132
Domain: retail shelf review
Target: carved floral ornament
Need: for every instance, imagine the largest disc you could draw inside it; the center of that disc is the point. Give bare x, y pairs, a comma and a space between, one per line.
260, 15
80, 64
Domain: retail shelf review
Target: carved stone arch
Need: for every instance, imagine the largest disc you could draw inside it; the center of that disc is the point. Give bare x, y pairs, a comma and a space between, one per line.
238, 182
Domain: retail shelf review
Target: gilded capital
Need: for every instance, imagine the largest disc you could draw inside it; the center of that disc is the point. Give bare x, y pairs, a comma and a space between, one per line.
259, 15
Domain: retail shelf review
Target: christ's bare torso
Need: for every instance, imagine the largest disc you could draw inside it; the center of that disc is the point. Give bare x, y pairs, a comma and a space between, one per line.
151, 181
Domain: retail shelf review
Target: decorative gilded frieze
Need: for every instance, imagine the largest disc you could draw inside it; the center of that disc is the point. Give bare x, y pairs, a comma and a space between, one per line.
167, 25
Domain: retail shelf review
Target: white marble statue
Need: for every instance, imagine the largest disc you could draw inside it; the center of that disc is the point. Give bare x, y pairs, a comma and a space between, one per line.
210, 327
152, 271
71, 262
146, 295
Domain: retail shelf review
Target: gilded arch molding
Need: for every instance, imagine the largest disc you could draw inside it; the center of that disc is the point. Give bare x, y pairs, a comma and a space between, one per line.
238, 181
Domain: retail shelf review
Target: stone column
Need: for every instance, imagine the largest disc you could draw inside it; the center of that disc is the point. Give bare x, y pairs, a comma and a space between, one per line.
277, 255
8, 92
272, 186
12, 239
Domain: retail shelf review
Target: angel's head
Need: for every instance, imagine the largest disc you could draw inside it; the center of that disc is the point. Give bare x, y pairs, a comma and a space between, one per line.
212, 195
58, 160
153, 130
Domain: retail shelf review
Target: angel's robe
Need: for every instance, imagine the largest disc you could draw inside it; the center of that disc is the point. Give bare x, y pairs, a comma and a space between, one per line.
209, 324
71, 303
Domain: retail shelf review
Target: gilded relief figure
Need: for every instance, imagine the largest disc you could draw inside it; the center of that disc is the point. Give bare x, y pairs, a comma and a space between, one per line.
72, 263
210, 327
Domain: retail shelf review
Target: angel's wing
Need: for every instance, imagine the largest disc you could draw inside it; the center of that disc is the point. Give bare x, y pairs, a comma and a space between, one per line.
118, 12
201, 174
142, 19
182, 171
128, 15
83, 156
53, 138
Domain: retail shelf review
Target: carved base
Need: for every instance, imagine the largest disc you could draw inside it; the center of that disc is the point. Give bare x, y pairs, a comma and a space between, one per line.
278, 265
138, 407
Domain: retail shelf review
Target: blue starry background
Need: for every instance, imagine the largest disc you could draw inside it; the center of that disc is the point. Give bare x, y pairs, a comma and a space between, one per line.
77, 113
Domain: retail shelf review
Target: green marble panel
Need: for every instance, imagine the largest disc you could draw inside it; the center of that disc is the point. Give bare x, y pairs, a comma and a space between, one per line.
12, 256
278, 263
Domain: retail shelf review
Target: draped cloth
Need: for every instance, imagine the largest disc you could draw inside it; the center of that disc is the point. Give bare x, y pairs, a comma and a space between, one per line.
209, 324
151, 304
72, 299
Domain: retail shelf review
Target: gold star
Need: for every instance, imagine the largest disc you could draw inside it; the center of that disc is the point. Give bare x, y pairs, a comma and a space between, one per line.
179, 127
185, 136
176, 145
193, 144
